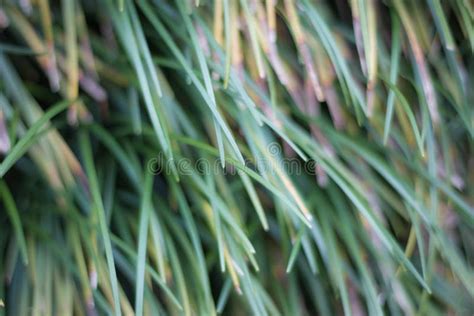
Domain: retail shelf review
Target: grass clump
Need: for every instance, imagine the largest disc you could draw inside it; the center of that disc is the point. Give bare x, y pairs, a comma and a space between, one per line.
287, 157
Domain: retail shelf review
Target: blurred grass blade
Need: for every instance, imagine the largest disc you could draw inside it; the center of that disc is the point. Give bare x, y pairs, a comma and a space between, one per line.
415, 46
69, 19
168, 40
142, 240
411, 117
86, 151
295, 251
30, 137
394, 66
14, 216
207, 79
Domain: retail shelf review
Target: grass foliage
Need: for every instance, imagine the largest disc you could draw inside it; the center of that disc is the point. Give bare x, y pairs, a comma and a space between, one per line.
263, 157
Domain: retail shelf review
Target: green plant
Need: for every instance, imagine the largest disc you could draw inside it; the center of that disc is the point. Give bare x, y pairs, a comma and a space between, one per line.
236, 156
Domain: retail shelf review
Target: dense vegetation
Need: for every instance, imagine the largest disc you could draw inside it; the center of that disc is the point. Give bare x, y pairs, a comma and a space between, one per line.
263, 157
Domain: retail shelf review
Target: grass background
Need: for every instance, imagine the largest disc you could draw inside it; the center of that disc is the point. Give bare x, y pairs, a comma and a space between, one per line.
110, 109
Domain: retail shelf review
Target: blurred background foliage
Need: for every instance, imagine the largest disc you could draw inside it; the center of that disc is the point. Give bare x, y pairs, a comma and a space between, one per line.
377, 94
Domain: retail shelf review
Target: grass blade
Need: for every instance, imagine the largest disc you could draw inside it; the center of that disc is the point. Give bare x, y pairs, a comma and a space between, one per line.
86, 151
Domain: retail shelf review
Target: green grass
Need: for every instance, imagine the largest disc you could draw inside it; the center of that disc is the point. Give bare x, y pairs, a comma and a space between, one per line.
274, 157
